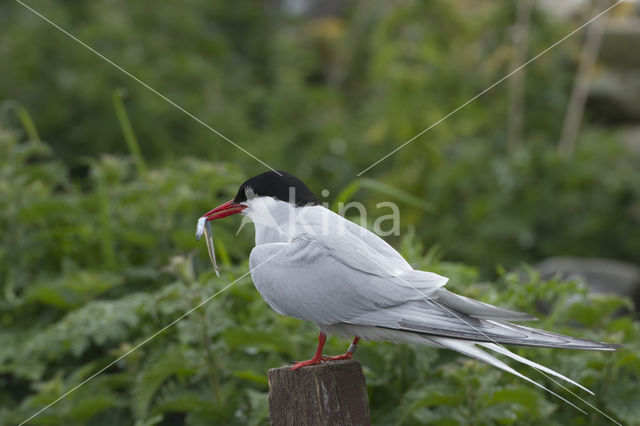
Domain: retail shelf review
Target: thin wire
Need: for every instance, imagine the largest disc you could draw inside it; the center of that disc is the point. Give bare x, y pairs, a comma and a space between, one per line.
534, 367
127, 353
433, 303
145, 341
266, 165
148, 87
428, 300
492, 86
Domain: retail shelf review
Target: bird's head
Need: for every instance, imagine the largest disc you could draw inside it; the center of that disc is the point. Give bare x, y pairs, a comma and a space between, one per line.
265, 191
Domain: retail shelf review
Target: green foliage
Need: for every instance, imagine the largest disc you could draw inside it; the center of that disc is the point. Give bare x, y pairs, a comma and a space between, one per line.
324, 98
97, 252
68, 312
536, 204
350, 190
282, 86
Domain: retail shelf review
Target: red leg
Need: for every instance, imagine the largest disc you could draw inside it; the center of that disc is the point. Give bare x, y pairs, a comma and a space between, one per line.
347, 355
317, 358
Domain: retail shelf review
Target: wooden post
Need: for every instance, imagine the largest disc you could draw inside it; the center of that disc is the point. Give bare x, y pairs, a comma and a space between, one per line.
332, 393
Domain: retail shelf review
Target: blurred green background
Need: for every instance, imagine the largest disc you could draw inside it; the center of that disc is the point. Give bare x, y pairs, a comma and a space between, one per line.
101, 182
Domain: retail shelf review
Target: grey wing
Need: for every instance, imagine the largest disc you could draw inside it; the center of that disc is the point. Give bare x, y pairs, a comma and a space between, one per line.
477, 309
306, 280
343, 237
430, 317
376, 243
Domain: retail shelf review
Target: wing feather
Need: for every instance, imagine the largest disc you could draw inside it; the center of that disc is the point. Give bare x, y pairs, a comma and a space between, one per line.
431, 318
306, 280
477, 309
469, 349
348, 277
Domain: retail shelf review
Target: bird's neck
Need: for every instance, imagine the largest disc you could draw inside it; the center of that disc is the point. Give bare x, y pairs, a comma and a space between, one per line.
269, 234
277, 221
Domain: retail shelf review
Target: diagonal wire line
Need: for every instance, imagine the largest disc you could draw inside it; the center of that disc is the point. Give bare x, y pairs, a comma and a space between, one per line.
433, 303
428, 300
492, 86
148, 87
145, 341
532, 366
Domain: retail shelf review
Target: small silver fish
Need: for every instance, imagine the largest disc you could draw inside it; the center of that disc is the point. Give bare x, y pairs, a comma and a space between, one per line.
200, 227
208, 234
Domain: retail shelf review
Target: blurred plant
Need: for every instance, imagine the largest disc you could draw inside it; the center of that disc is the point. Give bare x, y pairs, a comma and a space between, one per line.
347, 193
534, 204
127, 130
96, 240
580, 91
520, 35
326, 97
357, 83
75, 300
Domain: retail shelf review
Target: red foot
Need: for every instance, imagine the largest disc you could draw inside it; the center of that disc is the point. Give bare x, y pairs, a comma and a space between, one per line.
348, 355
301, 364
318, 357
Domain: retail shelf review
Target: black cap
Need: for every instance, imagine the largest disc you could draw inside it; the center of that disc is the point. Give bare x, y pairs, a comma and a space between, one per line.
272, 184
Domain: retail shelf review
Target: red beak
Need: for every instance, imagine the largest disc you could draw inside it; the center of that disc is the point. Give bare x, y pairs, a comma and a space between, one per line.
224, 210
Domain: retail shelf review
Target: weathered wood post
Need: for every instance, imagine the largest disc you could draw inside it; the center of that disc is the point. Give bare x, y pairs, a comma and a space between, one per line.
332, 393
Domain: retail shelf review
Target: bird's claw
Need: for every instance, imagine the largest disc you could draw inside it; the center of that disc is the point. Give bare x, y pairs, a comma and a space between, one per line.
348, 355
294, 365
297, 365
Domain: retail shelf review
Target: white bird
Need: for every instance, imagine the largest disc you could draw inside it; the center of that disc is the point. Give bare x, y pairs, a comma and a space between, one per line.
312, 264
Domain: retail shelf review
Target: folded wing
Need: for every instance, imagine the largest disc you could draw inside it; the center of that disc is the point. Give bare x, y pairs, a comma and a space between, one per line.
432, 318
345, 281
306, 279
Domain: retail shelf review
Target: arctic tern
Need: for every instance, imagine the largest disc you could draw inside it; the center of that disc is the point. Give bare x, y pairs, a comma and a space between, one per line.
312, 264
